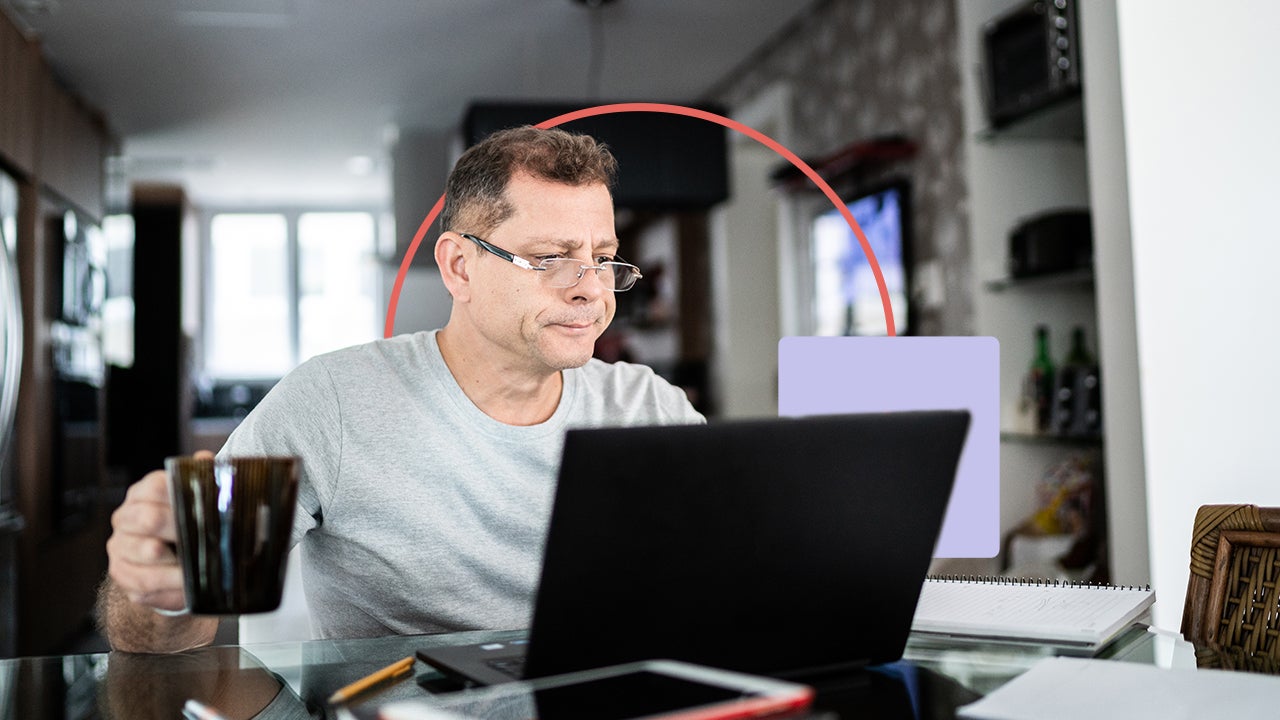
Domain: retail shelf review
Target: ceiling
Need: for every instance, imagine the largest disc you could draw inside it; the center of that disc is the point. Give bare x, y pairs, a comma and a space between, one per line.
297, 102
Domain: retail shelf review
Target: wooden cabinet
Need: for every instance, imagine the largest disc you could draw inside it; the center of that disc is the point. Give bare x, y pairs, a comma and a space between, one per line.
18, 99
56, 148
72, 147
46, 133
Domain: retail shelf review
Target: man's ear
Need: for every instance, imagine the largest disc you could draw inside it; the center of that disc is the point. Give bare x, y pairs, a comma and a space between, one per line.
451, 257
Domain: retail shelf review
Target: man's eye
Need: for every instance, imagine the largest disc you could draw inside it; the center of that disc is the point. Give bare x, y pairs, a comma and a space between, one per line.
602, 259
543, 258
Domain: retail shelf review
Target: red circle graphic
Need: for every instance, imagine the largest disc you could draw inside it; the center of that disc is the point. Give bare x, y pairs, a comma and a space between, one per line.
756, 135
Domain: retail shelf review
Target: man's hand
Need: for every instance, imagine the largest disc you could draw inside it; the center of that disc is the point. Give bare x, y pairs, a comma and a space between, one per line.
142, 559
144, 574
140, 551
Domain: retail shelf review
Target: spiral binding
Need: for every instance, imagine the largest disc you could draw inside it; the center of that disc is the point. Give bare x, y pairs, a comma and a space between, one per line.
1032, 582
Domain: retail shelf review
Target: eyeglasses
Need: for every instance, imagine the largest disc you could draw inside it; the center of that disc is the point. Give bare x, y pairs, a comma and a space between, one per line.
563, 272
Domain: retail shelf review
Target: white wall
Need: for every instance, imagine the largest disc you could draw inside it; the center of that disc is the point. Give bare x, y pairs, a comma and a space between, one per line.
744, 250
754, 277
424, 302
1113, 271
421, 160
1202, 108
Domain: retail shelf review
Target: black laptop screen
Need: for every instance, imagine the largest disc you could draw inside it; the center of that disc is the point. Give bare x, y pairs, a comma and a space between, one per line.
773, 547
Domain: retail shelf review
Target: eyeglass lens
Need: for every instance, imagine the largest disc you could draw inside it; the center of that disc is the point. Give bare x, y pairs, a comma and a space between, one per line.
567, 272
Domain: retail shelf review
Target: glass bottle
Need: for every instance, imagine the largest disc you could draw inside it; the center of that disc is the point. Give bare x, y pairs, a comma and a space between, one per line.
1076, 387
1088, 406
1079, 354
1040, 379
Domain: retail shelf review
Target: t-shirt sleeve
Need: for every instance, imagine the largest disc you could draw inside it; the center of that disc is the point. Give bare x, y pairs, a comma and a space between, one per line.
636, 395
300, 416
674, 406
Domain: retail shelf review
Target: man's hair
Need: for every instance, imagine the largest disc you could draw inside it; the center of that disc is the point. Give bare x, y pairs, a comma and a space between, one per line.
475, 199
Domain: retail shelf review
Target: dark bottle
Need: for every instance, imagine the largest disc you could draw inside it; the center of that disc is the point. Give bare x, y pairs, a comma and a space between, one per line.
1088, 414
1090, 422
1076, 402
1040, 381
1079, 354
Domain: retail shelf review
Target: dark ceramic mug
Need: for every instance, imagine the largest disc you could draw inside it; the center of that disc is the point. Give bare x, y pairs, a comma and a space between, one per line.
234, 517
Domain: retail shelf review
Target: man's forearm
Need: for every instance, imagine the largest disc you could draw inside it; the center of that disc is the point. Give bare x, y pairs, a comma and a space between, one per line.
137, 628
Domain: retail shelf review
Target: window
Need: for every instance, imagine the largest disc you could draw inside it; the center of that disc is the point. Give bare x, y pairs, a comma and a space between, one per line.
117, 308
286, 287
337, 297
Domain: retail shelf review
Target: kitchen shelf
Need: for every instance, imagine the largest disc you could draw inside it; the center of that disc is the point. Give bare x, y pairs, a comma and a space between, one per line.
1062, 120
1048, 439
849, 162
1070, 280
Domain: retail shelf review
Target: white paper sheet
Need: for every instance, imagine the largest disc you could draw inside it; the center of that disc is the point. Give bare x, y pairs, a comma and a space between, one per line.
1069, 689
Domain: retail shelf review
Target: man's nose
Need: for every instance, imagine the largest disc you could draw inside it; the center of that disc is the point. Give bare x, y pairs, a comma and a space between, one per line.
591, 285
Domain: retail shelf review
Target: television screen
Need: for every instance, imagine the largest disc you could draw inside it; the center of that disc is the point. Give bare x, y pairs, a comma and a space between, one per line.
846, 297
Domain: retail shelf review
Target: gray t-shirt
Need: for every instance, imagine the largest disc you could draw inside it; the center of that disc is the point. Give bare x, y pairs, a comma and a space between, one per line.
419, 513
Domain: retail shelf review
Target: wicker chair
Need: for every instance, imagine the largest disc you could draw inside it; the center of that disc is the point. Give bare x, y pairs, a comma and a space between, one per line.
1232, 610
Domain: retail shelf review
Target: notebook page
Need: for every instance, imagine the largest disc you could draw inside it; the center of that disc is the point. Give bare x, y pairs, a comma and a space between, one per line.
1089, 614
1069, 689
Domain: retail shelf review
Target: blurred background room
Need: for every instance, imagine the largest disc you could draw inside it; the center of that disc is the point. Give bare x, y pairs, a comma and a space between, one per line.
198, 195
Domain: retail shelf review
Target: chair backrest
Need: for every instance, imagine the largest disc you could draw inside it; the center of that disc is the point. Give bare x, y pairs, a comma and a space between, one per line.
1232, 607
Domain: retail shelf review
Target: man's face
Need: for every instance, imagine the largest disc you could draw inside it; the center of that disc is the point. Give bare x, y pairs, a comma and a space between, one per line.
538, 326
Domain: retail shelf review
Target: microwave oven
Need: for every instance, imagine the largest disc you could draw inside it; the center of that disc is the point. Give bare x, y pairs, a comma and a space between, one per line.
1031, 59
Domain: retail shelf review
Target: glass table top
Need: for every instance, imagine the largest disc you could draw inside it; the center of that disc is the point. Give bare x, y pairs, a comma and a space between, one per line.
293, 680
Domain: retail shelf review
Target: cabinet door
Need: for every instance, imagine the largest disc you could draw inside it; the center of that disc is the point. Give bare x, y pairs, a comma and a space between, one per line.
17, 99
72, 148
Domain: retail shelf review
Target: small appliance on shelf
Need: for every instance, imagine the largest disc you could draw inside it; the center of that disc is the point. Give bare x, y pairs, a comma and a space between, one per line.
1056, 241
1031, 59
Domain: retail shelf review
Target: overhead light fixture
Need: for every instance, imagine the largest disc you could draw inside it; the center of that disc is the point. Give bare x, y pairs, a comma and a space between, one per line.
360, 165
390, 134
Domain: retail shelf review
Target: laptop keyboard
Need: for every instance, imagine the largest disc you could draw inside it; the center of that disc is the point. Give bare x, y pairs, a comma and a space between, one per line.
510, 666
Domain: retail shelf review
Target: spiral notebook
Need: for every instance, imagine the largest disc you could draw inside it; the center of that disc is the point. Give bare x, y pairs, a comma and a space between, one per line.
1074, 618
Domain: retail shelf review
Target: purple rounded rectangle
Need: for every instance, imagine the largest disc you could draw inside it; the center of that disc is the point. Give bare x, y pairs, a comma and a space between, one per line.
825, 375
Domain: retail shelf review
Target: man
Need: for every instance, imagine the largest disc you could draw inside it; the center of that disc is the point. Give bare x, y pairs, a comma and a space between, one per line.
429, 460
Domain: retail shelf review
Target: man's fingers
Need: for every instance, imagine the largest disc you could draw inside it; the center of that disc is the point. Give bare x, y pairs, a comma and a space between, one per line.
165, 596
153, 487
140, 550
154, 585
142, 562
144, 518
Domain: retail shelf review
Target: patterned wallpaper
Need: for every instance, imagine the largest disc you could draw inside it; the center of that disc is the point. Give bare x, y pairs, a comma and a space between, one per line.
859, 69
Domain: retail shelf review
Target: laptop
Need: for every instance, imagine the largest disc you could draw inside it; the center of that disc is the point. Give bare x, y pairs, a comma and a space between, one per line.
790, 547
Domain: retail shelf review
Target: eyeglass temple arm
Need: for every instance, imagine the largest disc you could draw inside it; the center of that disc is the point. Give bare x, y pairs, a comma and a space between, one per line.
509, 257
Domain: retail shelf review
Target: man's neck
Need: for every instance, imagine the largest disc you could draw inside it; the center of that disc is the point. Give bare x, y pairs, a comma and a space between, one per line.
507, 393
